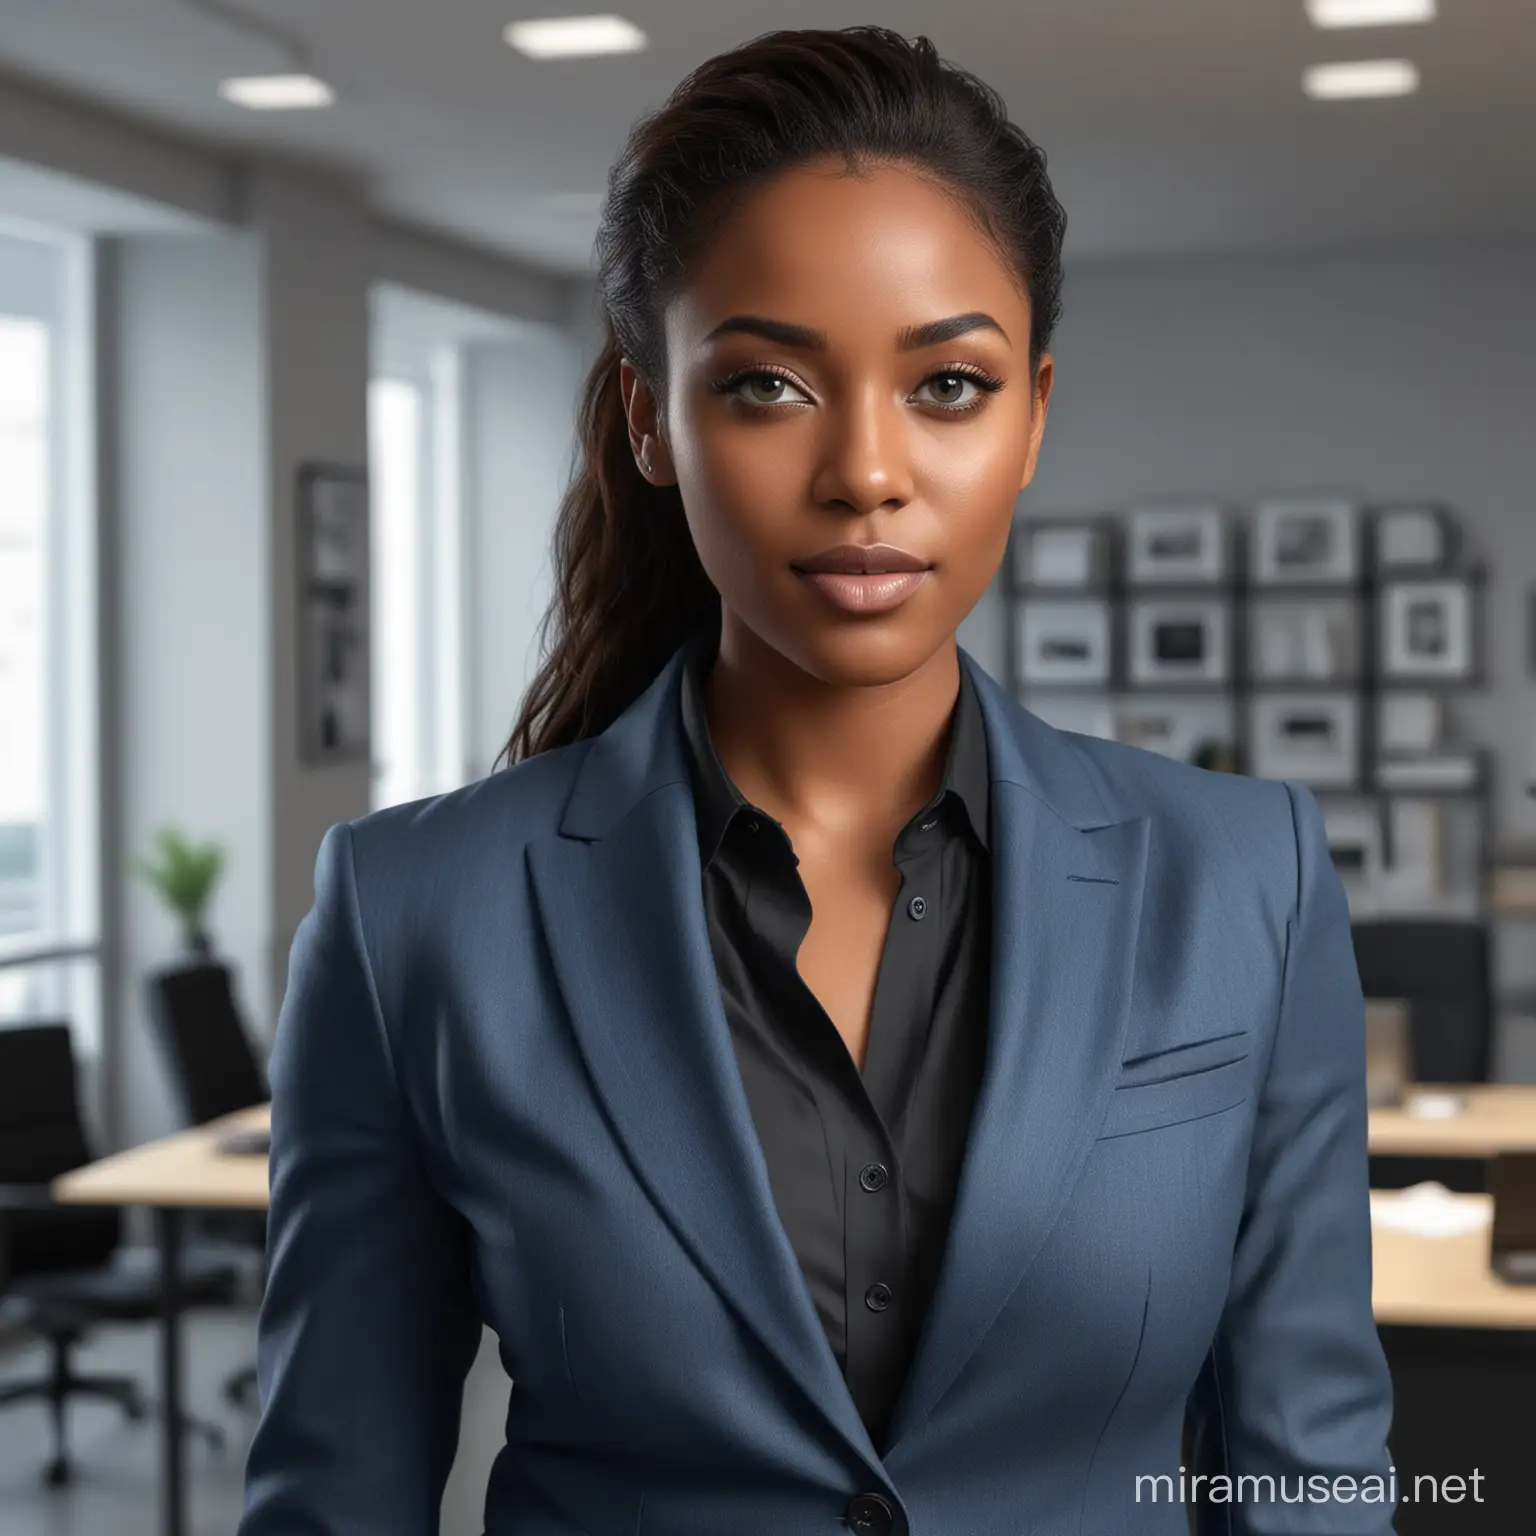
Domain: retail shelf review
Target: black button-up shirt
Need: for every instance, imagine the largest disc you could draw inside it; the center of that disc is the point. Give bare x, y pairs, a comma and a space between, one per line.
863, 1166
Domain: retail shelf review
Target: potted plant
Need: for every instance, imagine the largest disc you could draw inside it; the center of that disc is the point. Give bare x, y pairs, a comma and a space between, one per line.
185, 874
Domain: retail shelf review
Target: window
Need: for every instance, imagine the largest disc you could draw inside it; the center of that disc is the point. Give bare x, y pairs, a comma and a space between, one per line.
417, 581
49, 910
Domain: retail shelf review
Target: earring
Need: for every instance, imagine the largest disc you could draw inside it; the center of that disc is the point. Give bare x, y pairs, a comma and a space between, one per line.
645, 461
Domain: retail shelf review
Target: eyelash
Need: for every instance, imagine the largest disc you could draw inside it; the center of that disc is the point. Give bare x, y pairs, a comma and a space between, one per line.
986, 383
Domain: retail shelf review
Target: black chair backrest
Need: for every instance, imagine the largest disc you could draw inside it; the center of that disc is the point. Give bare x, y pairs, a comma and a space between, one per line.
41, 1136
213, 1066
1441, 968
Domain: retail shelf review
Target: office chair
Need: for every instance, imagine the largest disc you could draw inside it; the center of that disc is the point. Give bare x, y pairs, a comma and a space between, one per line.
62, 1268
1442, 969
215, 1071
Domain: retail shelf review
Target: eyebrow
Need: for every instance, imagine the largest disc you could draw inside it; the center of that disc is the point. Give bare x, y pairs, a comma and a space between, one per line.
909, 339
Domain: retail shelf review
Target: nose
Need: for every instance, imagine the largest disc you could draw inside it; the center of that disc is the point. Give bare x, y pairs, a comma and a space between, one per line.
864, 462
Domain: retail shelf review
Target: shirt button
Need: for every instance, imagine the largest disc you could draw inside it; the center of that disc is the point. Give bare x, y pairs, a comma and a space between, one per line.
869, 1515
928, 826
873, 1176
752, 824
916, 907
878, 1297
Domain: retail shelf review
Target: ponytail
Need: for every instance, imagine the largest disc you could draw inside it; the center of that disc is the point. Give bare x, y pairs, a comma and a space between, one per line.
629, 585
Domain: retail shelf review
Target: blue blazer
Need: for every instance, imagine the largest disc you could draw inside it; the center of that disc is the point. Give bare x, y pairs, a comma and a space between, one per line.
504, 1090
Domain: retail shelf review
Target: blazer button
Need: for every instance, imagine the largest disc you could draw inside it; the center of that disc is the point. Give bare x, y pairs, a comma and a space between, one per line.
873, 1176
870, 1515
917, 906
878, 1297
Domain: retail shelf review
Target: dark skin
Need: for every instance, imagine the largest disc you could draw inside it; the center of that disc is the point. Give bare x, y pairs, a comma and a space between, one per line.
837, 724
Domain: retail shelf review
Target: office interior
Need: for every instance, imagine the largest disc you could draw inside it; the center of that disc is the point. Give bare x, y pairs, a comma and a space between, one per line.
247, 329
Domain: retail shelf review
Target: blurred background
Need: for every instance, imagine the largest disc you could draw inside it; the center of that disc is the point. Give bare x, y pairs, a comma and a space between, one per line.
295, 298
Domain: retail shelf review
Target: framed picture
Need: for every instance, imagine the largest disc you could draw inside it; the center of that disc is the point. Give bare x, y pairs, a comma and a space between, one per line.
1314, 738
1175, 727
1408, 723
1426, 629
1064, 642
1412, 538
1306, 540
1176, 543
1179, 640
1061, 553
1414, 869
1353, 830
334, 692
1304, 639
1089, 716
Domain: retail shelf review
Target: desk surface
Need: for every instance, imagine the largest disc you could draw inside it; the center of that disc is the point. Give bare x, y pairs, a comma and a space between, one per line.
1445, 1282
179, 1170
1496, 1117
1439, 1282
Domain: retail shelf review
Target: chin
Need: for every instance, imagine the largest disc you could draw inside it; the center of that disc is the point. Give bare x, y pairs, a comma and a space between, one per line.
864, 652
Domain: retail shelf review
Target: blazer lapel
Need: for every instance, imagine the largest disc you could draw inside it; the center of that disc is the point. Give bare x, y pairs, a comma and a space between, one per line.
619, 895
1067, 880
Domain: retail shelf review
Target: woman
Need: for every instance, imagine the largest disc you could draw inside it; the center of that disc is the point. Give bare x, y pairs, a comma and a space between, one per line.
852, 1102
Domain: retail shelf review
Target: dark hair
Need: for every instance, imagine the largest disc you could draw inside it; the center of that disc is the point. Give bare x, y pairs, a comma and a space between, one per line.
629, 587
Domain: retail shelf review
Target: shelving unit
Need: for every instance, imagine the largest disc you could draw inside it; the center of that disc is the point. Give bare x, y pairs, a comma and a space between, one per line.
1366, 684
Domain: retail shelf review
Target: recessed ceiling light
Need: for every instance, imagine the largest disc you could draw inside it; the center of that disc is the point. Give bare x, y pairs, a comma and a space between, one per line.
1370, 13
276, 93
570, 37
1367, 78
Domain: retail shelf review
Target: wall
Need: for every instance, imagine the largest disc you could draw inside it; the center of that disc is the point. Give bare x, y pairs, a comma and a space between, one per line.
522, 397
1400, 374
193, 672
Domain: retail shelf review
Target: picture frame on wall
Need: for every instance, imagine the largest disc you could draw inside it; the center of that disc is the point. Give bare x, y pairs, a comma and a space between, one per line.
1304, 639
1172, 544
1177, 727
1305, 540
1060, 553
1427, 629
1409, 723
1312, 737
1175, 640
1064, 642
1353, 831
1413, 538
333, 609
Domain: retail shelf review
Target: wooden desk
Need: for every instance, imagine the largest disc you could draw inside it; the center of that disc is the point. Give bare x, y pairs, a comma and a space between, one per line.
183, 1170
1496, 1117
1444, 1282
171, 1176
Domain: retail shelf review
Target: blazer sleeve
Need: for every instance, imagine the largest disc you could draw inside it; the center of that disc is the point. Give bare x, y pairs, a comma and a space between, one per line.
1296, 1385
367, 1326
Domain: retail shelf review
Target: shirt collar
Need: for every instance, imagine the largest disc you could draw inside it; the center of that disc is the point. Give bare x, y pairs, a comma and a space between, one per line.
717, 799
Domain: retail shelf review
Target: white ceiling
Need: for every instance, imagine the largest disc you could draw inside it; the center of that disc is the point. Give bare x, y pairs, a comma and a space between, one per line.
1173, 126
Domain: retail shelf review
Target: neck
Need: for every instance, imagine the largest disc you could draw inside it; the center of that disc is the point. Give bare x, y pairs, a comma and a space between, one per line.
835, 760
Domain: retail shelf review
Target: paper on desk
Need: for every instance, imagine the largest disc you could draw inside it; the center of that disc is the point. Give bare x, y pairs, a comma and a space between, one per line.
1427, 1210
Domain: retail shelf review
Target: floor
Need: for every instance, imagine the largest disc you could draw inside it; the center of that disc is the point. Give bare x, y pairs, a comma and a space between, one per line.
117, 1463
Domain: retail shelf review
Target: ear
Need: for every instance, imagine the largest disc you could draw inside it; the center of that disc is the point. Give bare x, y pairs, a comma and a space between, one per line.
1040, 401
640, 413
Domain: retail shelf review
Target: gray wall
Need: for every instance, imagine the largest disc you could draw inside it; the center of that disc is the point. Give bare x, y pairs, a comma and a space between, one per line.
1398, 374
192, 665
522, 397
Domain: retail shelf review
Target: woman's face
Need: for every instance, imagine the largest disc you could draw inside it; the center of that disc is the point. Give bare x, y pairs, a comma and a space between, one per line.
801, 414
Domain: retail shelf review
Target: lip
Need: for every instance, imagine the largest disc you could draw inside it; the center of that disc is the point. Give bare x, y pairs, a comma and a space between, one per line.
861, 560
869, 592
